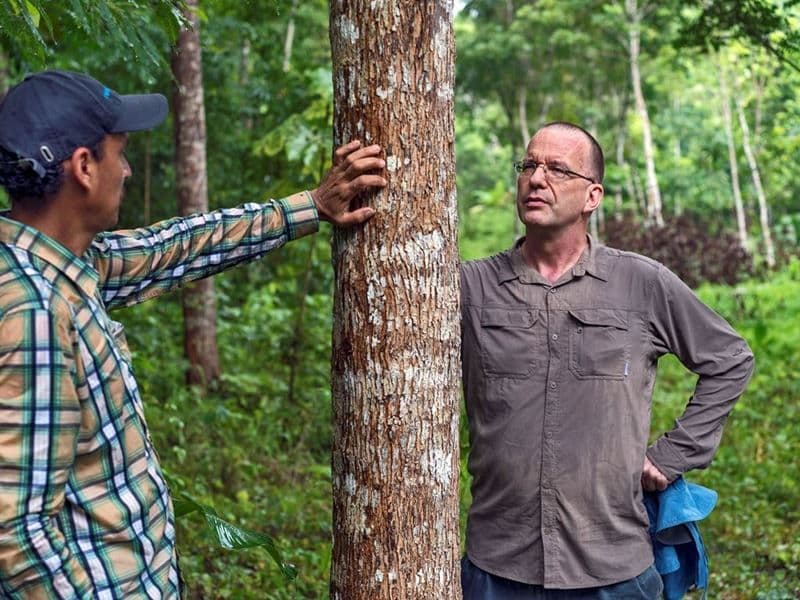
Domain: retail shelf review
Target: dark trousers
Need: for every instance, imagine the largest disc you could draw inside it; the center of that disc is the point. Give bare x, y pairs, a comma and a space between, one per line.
477, 584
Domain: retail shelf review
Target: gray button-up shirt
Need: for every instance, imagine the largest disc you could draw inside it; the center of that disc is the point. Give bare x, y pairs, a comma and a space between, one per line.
558, 381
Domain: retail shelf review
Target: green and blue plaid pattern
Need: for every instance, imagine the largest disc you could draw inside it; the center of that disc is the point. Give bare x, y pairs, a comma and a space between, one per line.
84, 509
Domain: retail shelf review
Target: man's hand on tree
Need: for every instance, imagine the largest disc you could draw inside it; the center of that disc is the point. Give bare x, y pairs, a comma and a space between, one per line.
353, 171
653, 480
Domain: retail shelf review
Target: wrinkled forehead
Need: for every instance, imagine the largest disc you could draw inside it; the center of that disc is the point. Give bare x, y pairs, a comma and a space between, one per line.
554, 144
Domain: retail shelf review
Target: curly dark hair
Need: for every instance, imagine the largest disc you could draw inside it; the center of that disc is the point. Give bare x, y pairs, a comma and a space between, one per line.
21, 181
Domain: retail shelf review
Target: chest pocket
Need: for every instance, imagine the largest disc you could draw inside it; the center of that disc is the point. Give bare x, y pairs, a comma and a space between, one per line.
599, 344
507, 341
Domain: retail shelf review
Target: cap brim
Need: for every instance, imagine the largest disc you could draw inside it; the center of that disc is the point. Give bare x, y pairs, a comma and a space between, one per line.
140, 112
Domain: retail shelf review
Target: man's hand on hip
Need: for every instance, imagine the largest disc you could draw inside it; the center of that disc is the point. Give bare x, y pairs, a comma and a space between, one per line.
653, 480
353, 172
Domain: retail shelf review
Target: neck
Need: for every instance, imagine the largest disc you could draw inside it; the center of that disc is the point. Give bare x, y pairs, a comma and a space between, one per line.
48, 217
554, 254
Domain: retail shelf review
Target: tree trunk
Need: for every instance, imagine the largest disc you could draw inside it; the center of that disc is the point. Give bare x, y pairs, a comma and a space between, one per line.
244, 80
727, 119
654, 212
148, 178
199, 308
763, 208
395, 366
288, 43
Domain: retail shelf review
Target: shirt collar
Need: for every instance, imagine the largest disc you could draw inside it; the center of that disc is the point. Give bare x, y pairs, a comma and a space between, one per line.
50, 251
591, 262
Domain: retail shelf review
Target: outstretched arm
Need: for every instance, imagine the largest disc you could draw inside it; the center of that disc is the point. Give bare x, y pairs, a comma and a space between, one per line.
139, 264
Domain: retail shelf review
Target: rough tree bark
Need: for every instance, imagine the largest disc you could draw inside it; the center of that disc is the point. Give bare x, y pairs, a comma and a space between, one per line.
199, 307
396, 374
634, 15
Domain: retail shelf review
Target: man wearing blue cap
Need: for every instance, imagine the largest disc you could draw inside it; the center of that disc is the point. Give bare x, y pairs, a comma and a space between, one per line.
84, 510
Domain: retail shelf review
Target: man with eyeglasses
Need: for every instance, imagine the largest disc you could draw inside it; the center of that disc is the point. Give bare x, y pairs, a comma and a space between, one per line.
560, 342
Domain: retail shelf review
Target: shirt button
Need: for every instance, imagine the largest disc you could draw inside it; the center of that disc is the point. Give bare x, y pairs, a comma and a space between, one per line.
553, 385
555, 337
552, 290
580, 330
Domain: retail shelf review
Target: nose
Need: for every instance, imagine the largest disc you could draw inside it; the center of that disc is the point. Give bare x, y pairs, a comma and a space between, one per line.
537, 176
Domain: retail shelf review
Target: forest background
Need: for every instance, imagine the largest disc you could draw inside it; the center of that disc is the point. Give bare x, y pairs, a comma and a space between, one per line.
701, 127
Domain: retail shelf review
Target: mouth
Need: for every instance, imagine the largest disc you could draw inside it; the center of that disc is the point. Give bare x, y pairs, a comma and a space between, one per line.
534, 201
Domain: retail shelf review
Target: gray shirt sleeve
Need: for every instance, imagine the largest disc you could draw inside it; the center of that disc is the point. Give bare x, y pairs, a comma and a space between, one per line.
706, 344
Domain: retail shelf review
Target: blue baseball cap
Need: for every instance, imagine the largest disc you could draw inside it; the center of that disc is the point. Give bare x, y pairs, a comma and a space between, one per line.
45, 117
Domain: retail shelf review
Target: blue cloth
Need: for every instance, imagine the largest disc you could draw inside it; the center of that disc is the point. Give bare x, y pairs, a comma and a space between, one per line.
680, 556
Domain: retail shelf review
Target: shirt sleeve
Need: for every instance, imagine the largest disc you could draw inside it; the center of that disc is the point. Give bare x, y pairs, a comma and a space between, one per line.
139, 264
707, 345
39, 423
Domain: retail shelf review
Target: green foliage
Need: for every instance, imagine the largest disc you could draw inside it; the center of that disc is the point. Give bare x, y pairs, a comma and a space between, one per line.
33, 28
771, 25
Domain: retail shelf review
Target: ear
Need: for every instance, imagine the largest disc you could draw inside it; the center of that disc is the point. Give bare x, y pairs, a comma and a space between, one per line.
83, 168
594, 195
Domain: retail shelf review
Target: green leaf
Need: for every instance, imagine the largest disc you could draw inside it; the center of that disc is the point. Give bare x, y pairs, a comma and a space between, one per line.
230, 536
33, 12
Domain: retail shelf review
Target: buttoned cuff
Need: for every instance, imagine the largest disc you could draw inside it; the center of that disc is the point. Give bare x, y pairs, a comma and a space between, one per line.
300, 214
666, 459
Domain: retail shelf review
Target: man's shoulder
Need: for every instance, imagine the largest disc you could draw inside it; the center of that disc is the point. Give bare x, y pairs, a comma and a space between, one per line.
495, 266
22, 285
627, 262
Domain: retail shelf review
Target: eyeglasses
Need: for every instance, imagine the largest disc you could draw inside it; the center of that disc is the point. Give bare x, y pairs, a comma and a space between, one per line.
551, 172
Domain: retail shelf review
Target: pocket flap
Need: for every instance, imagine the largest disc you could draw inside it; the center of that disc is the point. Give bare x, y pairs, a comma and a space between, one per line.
507, 317
604, 317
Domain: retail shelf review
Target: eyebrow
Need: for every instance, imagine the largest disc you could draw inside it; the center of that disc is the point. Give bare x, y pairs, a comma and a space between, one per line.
550, 163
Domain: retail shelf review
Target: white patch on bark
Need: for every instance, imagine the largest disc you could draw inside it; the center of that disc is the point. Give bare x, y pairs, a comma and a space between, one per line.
445, 92
441, 42
379, 576
439, 464
350, 484
391, 163
347, 29
406, 76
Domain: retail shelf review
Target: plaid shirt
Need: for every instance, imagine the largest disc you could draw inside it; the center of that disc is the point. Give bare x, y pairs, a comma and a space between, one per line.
84, 510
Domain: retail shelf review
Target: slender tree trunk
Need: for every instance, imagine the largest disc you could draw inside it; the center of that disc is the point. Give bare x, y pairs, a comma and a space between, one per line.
395, 368
763, 207
636, 184
148, 177
727, 119
621, 100
654, 212
522, 115
199, 308
288, 43
244, 80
